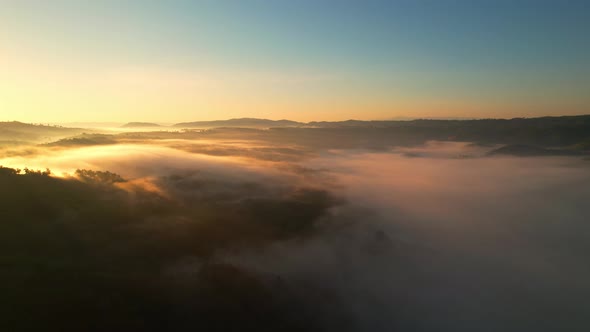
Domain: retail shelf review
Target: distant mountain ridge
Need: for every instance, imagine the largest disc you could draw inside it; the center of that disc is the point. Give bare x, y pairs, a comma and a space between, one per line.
571, 132
240, 122
549, 131
428, 122
140, 125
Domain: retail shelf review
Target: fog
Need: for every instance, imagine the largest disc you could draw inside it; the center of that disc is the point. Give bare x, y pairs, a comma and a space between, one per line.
492, 244
428, 237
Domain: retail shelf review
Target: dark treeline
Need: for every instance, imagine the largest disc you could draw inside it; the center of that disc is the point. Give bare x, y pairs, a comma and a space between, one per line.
95, 252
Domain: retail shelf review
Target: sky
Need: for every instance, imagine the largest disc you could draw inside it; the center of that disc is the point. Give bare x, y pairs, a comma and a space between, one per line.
179, 60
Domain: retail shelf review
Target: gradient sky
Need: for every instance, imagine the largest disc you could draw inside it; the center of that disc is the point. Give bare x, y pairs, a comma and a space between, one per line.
178, 60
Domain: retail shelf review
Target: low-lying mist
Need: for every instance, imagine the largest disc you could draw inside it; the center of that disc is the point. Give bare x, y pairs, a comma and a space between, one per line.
170, 233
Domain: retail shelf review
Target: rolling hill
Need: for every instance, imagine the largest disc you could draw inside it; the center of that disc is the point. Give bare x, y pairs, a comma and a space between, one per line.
242, 122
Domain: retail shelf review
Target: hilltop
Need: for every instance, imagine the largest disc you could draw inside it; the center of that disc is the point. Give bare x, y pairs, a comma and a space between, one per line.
242, 122
19, 132
140, 125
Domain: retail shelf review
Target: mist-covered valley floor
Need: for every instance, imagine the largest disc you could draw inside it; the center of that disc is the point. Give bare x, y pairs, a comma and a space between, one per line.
293, 229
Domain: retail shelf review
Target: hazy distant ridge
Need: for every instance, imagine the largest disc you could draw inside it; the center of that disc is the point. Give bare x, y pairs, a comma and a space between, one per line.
564, 131
259, 123
242, 122
141, 125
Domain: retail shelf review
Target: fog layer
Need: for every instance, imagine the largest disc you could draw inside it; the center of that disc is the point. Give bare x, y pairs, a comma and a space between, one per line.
265, 235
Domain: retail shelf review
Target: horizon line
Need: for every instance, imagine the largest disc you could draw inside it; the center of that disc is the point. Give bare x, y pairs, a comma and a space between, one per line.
401, 119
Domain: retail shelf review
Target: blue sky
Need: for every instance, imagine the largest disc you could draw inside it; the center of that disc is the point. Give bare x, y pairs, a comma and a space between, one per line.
326, 59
